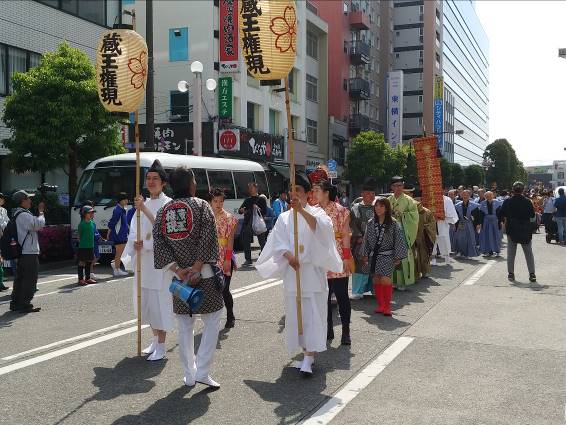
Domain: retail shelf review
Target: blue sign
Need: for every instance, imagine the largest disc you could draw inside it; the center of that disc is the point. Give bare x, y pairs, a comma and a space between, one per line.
439, 123
332, 165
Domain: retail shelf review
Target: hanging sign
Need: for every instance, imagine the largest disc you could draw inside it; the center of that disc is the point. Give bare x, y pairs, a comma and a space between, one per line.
229, 140
268, 31
225, 98
121, 69
229, 36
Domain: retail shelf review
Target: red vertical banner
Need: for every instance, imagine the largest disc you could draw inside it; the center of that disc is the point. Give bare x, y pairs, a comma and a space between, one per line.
229, 52
430, 176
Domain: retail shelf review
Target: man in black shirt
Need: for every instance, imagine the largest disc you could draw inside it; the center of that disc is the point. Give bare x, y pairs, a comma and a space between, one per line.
518, 213
250, 204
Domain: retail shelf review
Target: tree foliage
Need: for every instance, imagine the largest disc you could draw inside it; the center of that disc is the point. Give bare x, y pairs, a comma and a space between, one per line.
56, 117
368, 156
506, 167
474, 175
446, 171
457, 174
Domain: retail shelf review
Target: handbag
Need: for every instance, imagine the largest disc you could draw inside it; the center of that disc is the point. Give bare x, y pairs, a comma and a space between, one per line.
258, 223
190, 296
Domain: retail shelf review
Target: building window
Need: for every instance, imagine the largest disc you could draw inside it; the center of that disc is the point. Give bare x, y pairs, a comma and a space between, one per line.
53, 3
292, 78
312, 88
17, 62
312, 45
397, 55
14, 60
273, 122
312, 132
178, 44
179, 106
420, 99
560, 175
70, 6
93, 11
295, 125
437, 60
252, 118
397, 33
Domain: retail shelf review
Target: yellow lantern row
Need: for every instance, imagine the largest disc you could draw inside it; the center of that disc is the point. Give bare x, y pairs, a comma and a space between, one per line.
268, 30
121, 69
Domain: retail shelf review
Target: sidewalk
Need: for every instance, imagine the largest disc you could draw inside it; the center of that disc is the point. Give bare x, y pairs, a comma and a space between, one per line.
492, 352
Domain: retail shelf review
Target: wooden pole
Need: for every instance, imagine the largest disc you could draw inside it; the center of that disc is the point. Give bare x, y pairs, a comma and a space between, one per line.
138, 218
291, 141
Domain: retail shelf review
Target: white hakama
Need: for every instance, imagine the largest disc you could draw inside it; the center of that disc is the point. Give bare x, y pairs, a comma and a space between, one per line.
443, 229
317, 256
157, 301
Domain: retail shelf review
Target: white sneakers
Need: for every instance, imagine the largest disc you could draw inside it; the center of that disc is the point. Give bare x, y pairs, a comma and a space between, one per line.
207, 381
356, 296
306, 365
120, 273
158, 353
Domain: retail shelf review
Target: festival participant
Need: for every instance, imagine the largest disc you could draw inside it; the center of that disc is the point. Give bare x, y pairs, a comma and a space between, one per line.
361, 213
385, 246
226, 225
324, 192
317, 256
490, 233
404, 210
185, 244
467, 226
424, 243
156, 301
445, 231
85, 253
119, 236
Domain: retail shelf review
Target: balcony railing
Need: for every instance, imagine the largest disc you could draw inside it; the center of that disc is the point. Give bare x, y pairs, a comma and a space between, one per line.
359, 20
358, 122
359, 52
359, 89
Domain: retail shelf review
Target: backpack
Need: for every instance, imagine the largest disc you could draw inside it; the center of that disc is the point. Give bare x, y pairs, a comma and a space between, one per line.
9, 245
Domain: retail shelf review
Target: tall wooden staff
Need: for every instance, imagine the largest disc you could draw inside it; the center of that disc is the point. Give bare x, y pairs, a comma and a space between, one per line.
291, 142
121, 73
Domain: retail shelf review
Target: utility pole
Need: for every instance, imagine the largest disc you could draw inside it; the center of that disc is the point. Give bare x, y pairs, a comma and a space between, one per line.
149, 93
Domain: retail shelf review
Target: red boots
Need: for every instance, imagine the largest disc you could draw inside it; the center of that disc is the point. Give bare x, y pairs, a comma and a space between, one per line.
383, 295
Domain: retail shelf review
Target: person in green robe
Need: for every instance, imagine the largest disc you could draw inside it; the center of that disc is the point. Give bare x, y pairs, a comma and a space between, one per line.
406, 213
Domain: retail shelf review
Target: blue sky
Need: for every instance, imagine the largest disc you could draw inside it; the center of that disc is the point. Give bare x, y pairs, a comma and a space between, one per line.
527, 87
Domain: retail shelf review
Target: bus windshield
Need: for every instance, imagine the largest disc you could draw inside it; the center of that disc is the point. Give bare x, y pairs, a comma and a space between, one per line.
103, 185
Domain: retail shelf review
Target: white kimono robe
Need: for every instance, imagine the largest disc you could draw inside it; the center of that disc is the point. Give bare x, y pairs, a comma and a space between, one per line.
443, 228
157, 301
317, 256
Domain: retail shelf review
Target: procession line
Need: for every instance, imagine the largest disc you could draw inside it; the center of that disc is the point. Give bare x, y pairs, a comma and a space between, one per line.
65, 341
477, 275
354, 387
48, 356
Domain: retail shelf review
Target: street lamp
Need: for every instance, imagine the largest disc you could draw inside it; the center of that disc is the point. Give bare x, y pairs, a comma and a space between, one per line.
183, 86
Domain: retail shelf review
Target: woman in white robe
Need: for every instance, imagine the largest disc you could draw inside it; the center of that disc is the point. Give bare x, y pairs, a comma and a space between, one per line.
317, 256
156, 300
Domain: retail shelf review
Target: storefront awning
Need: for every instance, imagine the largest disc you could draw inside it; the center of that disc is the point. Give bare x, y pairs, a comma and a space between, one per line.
281, 169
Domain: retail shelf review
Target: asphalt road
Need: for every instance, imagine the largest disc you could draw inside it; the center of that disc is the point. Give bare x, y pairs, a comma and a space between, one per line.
464, 346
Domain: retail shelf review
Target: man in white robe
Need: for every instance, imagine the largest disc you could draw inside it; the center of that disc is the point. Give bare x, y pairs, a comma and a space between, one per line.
317, 256
156, 300
443, 243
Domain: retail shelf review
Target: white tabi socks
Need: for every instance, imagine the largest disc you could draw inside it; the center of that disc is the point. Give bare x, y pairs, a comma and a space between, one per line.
151, 347
306, 366
158, 354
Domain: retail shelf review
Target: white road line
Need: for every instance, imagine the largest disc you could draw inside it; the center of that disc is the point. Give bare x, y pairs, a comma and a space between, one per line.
477, 275
69, 277
340, 400
64, 341
48, 356
246, 290
261, 288
253, 285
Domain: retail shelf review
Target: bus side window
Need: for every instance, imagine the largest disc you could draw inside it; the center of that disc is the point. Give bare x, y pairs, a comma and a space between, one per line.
222, 180
202, 183
261, 181
242, 178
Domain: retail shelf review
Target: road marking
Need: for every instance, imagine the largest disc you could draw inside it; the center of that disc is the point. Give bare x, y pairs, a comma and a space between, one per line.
48, 356
340, 400
64, 341
477, 275
246, 290
69, 277
253, 285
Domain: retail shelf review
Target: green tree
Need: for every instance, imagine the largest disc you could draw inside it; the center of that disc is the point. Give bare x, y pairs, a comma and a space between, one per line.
474, 175
505, 165
368, 156
457, 173
56, 117
446, 171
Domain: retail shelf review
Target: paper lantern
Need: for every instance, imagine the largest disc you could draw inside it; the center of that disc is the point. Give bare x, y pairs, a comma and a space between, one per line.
268, 30
121, 69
